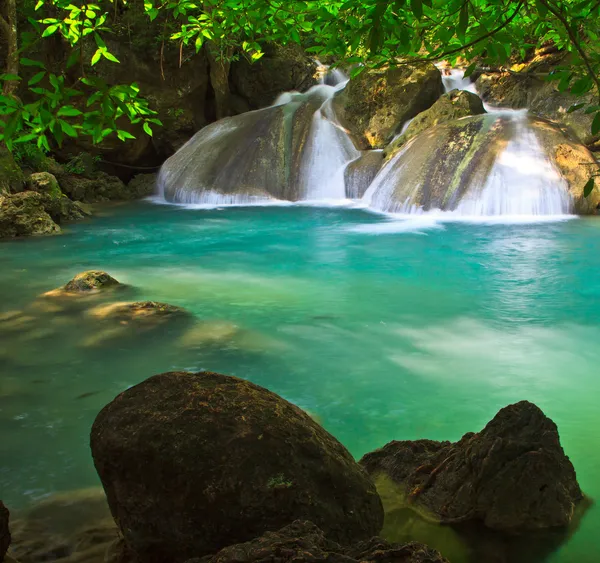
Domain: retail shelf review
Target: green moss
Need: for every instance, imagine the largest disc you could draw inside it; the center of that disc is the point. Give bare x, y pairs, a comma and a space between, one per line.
279, 482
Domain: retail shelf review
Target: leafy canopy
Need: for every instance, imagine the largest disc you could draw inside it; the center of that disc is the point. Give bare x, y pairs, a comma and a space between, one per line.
365, 33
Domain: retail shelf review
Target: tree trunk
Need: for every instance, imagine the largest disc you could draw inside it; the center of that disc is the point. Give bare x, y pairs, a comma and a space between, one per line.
8, 27
219, 78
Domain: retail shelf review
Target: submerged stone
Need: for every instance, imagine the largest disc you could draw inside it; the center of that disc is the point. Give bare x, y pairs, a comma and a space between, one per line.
303, 542
513, 476
4, 531
91, 280
192, 463
136, 311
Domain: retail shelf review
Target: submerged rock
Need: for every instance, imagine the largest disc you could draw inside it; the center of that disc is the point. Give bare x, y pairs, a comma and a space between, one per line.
70, 527
91, 280
192, 463
452, 105
4, 531
24, 214
374, 105
512, 476
303, 542
137, 311
483, 165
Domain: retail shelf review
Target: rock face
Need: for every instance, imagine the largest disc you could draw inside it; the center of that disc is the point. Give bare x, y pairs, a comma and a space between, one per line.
303, 542
4, 531
456, 166
142, 185
374, 105
512, 476
100, 187
24, 214
192, 463
92, 280
450, 106
281, 69
359, 173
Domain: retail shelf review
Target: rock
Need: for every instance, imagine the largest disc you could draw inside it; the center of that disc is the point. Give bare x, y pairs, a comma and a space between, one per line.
359, 173
24, 214
374, 105
60, 208
281, 69
11, 176
303, 542
450, 106
70, 527
91, 280
141, 312
4, 531
100, 188
512, 476
44, 183
217, 460
142, 185
447, 167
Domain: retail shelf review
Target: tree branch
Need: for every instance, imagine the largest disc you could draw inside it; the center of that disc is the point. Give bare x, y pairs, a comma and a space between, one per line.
4, 27
561, 17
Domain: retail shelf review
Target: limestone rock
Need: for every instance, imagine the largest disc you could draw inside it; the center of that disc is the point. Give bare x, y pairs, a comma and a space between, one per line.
513, 475
136, 311
4, 531
450, 106
374, 105
192, 463
24, 214
303, 542
102, 187
142, 185
44, 183
359, 173
91, 280
281, 69
70, 527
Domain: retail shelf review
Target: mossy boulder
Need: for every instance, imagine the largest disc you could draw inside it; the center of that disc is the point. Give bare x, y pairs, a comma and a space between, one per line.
4, 531
24, 214
44, 183
375, 104
281, 69
60, 208
450, 106
101, 187
513, 476
142, 185
137, 312
91, 280
192, 463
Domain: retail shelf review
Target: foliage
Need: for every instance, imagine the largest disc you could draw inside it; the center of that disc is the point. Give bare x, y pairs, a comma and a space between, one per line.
82, 164
29, 155
357, 32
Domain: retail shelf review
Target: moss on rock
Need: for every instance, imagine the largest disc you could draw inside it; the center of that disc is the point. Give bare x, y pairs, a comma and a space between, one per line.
24, 214
11, 176
374, 105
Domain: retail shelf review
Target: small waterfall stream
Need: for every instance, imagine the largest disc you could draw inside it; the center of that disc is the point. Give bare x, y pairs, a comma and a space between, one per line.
296, 150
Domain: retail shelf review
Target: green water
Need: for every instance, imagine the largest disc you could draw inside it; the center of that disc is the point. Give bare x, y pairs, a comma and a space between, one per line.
382, 335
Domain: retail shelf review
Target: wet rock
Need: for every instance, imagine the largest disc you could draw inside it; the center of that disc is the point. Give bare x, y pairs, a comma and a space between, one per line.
44, 183
102, 187
512, 476
281, 69
192, 463
359, 173
91, 280
450, 106
60, 208
142, 185
70, 527
24, 214
374, 105
215, 333
4, 531
137, 311
302, 541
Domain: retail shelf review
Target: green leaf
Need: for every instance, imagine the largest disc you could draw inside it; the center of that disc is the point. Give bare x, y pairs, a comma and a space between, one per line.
67, 128
51, 29
99, 41
36, 78
148, 129
29, 62
575, 107
417, 8
9, 77
596, 124
110, 57
581, 86
123, 135
39, 5
589, 187
542, 10
463, 20
97, 56
470, 69
68, 111
592, 109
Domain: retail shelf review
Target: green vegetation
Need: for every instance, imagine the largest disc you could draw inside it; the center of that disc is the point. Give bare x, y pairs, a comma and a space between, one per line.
49, 105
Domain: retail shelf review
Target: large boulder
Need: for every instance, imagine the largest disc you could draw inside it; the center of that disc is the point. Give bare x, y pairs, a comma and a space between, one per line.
4, 531
192, 463
375, 104
450, 106
461, 166
303, 542
97, 187
359, 173
281, 69
60, 208
24, 214
90, 280
512, 476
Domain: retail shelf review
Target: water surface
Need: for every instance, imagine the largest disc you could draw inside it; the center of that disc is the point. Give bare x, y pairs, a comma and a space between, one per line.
381, 330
